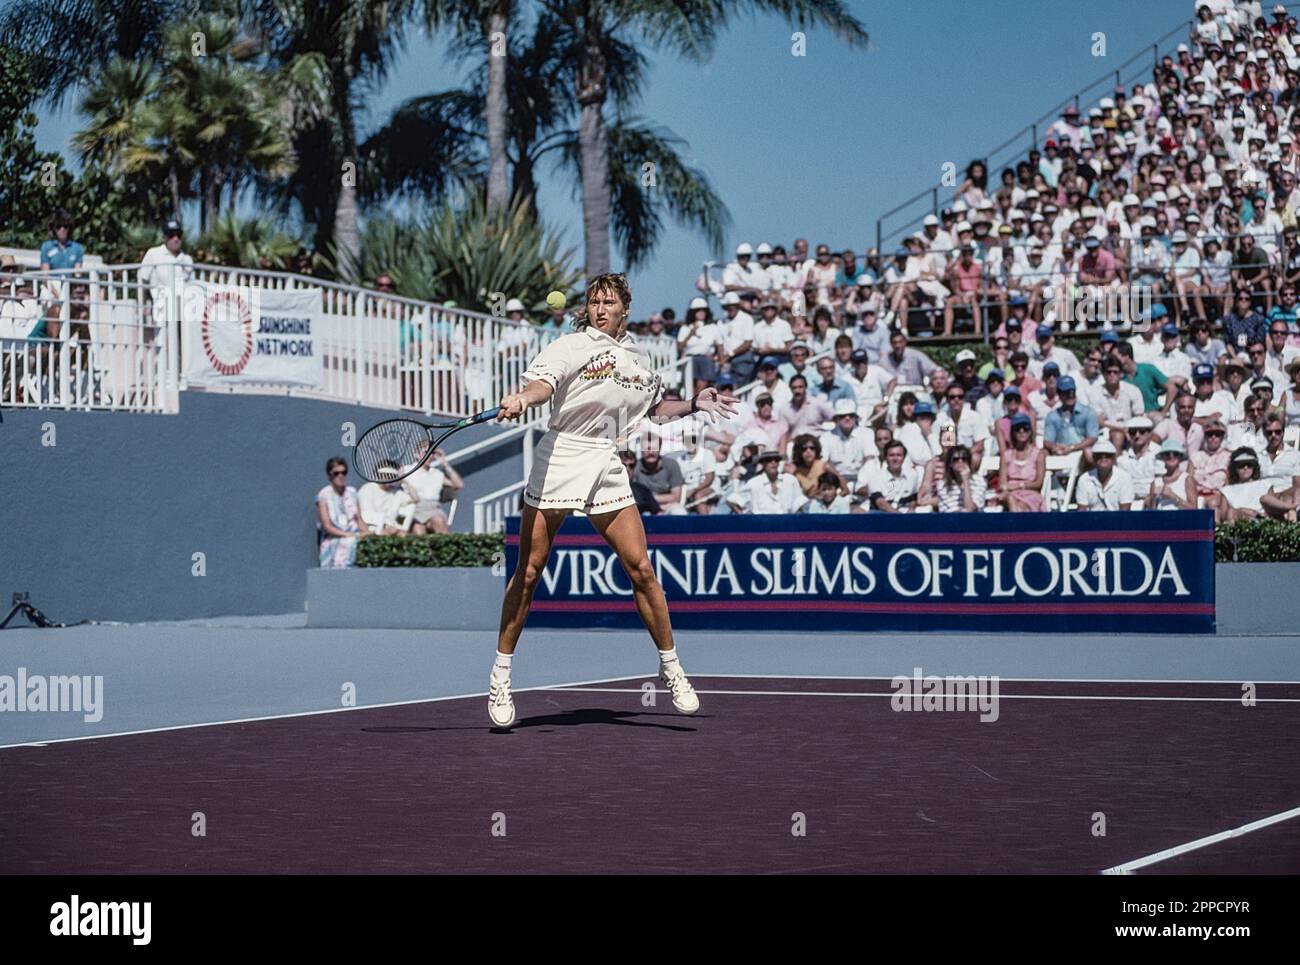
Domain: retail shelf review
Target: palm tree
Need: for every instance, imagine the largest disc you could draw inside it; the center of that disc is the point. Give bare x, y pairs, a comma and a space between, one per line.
329, 51
689, 29
70, 41
433, 144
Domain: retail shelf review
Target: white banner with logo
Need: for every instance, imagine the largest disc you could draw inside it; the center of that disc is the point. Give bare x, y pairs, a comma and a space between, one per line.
235, 335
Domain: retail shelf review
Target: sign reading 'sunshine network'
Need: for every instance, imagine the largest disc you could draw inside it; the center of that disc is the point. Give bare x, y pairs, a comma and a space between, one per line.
1117, 571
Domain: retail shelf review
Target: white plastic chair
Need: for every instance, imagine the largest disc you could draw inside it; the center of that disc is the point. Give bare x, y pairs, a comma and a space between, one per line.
1058, 464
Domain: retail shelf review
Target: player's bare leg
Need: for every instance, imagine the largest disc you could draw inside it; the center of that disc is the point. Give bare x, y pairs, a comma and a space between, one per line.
625, 533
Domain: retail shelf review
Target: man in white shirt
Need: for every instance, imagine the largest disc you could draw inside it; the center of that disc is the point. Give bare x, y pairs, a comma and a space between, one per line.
971, 427
744, 274
1107, 486
892, 488
1141, 460
872, 385
846, 447
699, 467
772, 334
164, 270
737, 333
920, 436
1046, 350
772, 491
1117, 402
1172, 360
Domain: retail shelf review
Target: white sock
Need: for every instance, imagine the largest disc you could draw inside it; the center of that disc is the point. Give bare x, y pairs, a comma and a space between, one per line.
669, 663
501, 665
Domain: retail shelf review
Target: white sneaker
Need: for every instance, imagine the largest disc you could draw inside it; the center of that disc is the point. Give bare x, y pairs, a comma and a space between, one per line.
684, 698
501, 706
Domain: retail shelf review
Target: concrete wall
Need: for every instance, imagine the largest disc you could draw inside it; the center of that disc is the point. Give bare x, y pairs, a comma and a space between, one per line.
1256, 597
103, 524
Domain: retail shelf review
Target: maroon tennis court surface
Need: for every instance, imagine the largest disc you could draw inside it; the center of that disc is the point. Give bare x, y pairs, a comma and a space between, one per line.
593, 780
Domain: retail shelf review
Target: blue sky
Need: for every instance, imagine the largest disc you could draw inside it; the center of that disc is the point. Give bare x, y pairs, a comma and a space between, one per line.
822, 145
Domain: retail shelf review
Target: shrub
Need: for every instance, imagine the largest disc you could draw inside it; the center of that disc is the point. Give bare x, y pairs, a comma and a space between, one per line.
451, 549
1257, 541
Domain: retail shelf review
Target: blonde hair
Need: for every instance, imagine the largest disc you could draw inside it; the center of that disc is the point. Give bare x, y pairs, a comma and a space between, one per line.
614, 281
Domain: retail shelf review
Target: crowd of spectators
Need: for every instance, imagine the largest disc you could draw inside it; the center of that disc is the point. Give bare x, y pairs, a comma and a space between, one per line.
1160, 227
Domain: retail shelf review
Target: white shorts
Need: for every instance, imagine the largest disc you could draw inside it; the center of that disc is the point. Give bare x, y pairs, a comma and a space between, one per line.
578, 472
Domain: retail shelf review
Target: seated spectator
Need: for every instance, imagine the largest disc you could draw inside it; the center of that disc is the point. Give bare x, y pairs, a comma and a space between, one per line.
807, 465
772, 426
769, 377
1151, 382
1203, 349
846, 447
1139, 460
991, 404
1176, 487
662, 476
700, 338
965, 280
383, 504
1277, 461
1022, 468
338, 517
804, 411
957, 488
1240, 498
1001, 359
973, 385
1045, 350
1070, 427
830, 388
1172, 360
1021, 377
1249, 432
1211, 404
920, 437
1242, 326
736, 338
870, 336
1012, 406
699, 468
798, 364
1105, 486
1289, 403
908, 365
893, 487
871, 384
1182, 425
646, 504
1282, 503
772, 491
1210, 465
424, 487
1118, 401
824, 332
971, 427
829, 500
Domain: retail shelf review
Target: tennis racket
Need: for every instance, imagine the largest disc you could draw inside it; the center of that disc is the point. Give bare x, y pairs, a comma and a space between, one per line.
395, 448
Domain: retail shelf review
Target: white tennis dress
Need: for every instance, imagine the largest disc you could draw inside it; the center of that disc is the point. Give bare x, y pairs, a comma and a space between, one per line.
603, 388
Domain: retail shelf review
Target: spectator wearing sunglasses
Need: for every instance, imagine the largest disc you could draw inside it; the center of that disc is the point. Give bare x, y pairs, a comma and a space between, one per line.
1022, 469
338, 517
1105, 486
1140, 459
958, 488
971, 427
1249, 432
1243, 326
1210, 465
1277, 460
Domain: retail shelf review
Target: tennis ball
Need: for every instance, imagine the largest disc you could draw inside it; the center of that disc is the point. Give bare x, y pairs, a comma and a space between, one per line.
556, 300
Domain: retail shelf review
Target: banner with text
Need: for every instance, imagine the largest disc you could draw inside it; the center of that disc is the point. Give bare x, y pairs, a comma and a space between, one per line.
236, 335
1135, 572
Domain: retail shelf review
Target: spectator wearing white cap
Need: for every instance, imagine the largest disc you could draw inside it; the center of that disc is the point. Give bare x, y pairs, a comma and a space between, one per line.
846, 447
1174, 488
745, 274
700, 338
1105, 486
938, 243
384, 505
737, 336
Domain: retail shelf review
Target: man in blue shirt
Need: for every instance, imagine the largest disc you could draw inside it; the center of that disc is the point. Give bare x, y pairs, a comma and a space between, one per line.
870, 336
59, 252
1070, 427
826, 386
1242, 326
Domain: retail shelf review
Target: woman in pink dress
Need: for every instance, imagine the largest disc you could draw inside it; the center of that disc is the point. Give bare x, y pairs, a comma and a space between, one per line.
1020, 475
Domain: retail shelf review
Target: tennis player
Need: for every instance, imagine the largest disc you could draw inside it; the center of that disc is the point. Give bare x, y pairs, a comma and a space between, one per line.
600, 387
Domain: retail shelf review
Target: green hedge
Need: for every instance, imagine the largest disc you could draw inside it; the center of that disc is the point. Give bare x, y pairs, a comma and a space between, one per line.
1246, 541
943, 353
1257, 541
451, 549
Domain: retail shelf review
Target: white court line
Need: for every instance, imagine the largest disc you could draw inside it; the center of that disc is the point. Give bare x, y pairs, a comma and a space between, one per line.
1064, 680
1128, 867
301, 713
858, 693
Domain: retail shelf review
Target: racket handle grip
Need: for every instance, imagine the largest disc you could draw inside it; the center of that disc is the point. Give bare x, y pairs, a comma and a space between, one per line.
487, 415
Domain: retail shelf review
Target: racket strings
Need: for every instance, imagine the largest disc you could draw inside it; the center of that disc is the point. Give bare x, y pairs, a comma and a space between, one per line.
390, 450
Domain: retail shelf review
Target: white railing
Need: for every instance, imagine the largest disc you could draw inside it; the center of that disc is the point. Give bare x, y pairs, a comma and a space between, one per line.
378, 350
109, 353
490, 511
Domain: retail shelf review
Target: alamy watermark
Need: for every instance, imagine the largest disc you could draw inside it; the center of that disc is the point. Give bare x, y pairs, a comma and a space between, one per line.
953, 693
26, 693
